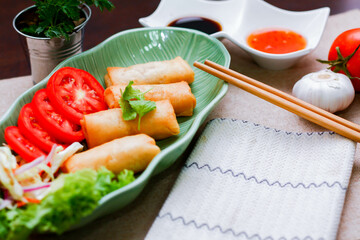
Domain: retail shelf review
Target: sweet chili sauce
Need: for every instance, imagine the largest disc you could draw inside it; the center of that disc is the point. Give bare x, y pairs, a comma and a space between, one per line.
198, 23
276, 41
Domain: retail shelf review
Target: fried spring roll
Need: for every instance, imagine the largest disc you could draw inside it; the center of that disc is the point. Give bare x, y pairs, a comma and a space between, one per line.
104, 126
160, 72
179, 94
131, 152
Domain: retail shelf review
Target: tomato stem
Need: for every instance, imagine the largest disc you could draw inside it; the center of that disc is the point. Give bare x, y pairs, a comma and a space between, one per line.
340, 63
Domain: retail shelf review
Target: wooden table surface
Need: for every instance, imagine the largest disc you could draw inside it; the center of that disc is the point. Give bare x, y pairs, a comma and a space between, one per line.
103, 25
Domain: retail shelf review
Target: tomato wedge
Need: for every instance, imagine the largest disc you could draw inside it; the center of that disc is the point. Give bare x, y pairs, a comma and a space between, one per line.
53, 122
32, 130
75, 92
21, 145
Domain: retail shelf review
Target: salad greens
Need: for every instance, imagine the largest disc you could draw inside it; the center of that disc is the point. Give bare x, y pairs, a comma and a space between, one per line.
133, 103
71, 197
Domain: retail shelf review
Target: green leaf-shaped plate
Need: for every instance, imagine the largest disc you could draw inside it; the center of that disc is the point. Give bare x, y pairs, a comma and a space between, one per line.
140, 46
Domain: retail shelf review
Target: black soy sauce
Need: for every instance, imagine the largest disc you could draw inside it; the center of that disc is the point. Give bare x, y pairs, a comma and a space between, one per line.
198, 23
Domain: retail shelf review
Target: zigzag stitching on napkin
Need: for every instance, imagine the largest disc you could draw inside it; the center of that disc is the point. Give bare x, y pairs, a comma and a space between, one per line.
282, 185
228, 230
274, 129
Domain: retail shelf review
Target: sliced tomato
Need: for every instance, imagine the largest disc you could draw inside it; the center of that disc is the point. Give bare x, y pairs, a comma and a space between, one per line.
53, 122
75, 92
32, 130
21, 145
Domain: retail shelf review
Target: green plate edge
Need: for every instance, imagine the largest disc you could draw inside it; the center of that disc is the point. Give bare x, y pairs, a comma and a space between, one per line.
121, 197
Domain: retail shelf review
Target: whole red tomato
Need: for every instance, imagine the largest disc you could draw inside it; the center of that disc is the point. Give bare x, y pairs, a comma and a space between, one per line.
344, 57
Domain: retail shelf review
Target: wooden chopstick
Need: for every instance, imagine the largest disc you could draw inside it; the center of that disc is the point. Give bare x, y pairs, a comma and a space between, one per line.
305, 110
284, 95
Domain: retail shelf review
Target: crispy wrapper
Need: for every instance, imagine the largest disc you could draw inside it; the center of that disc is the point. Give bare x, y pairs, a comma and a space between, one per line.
104, 126
131, 152
179, 94
160, 72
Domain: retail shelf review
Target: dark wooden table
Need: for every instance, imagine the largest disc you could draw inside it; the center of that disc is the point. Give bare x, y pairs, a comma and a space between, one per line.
103, 25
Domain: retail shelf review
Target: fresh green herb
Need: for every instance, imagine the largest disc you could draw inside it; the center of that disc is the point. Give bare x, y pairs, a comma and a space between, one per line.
72, 197
127, 112
142, 107
131, 93
58, 18
133, 103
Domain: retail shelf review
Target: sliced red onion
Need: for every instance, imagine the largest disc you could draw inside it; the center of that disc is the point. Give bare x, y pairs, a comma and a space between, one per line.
34, 188
51, 154
6, 193
29, 165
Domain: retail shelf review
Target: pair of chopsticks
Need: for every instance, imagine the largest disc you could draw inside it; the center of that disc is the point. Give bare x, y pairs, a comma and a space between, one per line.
299, 107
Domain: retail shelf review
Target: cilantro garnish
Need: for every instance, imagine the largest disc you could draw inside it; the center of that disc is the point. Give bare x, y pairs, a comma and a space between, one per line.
133, 103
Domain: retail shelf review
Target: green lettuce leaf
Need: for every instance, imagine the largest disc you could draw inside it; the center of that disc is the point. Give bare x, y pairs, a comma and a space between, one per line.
4, 225
72, 197
107, 182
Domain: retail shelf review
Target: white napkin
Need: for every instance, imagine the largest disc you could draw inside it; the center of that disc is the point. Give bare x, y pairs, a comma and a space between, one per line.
246, 181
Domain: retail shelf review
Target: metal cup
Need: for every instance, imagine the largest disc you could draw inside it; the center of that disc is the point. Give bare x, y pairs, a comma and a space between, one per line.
45, 53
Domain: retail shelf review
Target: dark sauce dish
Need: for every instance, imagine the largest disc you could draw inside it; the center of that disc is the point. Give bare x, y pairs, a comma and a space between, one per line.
202, 24
239, 18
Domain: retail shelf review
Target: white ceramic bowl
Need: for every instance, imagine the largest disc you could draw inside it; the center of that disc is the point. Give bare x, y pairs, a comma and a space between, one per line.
239, 18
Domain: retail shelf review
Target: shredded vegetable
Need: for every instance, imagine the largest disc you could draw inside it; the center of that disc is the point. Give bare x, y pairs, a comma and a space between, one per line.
7, 177
34, 188
32, 200
30, 180
29, 165
71, 197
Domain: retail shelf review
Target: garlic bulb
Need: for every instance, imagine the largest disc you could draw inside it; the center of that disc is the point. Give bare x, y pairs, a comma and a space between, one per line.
325, 89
